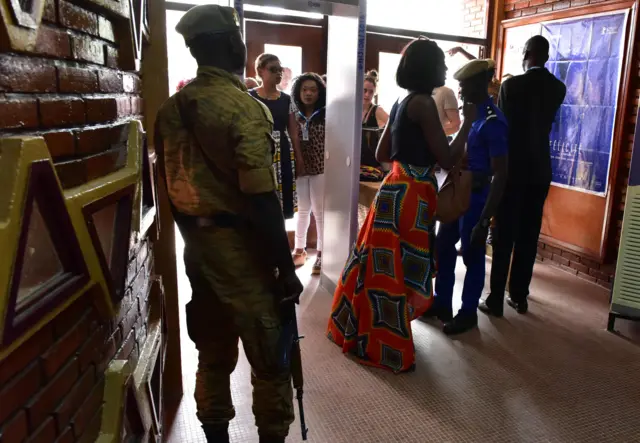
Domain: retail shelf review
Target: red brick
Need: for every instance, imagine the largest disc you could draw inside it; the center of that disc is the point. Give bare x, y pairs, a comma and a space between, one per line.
53, 42
124, 106
92, 349
93, 428
94, 140
67, 436
89, 408
571, 256
71, 403
130, 319
529, 11
569, 269
110, 81
561, 260
554, 250
105, 29
599, 274
18, 112
132, 84
101, 110
71, 173
75, 17
513, 14
60, 144
48, 398
579, 2
111, 57
605, 284
16, 429
64, 348
536, 2
561, 5
137, 105
545, 254
80, 309
88, 49
50, 13
579, 267
18, 390
105, 163
588, 277
109, 352
46, 433
56, 112
590, 263
22, 74
77, 80
522, 5
127, 347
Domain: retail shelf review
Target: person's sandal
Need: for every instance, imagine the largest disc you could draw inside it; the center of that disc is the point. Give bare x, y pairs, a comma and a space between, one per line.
299, 259
317, 267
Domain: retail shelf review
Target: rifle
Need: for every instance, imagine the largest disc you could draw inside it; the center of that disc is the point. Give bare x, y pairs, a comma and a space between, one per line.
293, 357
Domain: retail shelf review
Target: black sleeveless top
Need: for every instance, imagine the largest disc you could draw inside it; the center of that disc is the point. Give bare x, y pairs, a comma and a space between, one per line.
408, 144
370, 139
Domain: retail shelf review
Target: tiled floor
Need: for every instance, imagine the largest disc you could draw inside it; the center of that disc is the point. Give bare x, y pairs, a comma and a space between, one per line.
554, 375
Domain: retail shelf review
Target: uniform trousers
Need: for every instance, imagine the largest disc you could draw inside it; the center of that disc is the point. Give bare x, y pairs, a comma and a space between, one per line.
473, 257
233, 300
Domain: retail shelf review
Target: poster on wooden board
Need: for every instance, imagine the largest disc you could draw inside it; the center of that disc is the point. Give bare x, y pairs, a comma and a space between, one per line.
586, 54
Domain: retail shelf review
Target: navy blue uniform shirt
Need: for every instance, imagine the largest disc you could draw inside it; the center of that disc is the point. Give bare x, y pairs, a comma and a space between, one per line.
487, 138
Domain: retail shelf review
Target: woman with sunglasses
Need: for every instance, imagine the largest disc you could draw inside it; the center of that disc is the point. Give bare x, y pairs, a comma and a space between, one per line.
287, 157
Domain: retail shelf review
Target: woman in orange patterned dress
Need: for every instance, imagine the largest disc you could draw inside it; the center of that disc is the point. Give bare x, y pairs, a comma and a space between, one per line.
387, 280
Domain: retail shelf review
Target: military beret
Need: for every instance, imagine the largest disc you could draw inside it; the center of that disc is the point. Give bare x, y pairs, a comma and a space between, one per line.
492, 63
207, 19
471, 69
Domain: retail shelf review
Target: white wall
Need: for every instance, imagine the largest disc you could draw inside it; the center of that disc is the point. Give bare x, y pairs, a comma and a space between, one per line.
345, 65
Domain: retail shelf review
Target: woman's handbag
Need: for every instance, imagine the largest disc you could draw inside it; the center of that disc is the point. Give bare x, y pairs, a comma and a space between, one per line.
455, 195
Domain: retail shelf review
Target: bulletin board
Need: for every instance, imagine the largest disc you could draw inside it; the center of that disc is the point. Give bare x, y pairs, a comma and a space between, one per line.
588, 52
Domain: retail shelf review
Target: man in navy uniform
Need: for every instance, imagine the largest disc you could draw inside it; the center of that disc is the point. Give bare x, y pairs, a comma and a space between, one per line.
487, 160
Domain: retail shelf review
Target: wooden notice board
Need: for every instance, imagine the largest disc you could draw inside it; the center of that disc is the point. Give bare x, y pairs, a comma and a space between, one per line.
577, 218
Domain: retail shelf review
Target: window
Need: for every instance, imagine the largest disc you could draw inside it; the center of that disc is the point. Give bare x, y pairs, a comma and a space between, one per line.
182, 66
388, 90
451, 17
290, 57
281, 11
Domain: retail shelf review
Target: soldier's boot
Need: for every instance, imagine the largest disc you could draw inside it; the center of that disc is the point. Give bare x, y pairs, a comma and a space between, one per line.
216, 433
271, 439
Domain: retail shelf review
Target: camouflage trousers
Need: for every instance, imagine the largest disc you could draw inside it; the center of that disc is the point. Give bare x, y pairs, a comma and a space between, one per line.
232, 301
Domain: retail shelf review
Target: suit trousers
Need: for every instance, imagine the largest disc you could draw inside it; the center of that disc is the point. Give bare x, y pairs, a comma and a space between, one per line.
517, 227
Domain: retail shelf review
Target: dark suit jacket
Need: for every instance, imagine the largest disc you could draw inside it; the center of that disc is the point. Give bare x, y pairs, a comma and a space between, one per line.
530, 102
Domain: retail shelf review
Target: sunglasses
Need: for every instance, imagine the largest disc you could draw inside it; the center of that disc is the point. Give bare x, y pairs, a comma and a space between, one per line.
276, 70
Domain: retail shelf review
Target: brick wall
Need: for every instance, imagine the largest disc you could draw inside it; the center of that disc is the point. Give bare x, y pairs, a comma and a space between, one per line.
474, 18
51, 388
72, 89
584, 267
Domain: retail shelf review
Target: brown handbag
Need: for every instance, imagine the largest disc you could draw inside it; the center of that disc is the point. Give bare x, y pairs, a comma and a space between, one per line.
454, 195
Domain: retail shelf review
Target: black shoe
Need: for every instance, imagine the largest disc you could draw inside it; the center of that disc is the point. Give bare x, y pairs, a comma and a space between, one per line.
444, 315
216, 434
490, 309
460, 324
521, 306
271, 439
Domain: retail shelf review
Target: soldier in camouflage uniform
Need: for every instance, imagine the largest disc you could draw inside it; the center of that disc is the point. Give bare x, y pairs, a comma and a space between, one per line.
215, 150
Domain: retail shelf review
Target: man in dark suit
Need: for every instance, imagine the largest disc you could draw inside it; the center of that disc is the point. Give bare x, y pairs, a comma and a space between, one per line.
530, 102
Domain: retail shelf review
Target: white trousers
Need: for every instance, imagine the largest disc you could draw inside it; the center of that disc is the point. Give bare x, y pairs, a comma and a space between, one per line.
310, 199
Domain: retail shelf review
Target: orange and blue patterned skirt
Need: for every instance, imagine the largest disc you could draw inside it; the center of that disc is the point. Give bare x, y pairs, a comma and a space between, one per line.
387, 281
